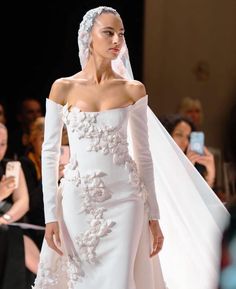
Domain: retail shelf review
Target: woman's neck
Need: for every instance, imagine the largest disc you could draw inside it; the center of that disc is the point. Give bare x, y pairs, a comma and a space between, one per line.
98, 70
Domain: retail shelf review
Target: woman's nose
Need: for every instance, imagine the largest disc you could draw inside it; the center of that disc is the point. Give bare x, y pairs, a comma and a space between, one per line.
115, 38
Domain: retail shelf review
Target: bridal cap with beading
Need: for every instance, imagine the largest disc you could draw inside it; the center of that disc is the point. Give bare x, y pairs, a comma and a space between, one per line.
85, 28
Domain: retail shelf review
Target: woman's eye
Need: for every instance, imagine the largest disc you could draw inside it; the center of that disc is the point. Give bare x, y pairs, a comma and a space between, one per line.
121, 34
109, 33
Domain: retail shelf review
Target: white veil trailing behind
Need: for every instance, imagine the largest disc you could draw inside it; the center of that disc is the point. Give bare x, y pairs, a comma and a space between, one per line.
192, 217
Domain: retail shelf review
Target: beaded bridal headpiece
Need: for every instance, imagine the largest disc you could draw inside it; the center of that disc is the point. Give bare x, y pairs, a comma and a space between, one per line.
122, 63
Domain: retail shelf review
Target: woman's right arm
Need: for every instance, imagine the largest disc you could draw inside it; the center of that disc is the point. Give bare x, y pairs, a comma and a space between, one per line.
50, 162
51, 150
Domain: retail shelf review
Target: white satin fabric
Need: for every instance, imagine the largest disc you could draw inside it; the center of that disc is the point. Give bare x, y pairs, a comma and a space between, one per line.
103, 206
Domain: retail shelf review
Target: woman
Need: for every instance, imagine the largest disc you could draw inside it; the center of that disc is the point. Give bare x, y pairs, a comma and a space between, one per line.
17, 250
192, 108
180, 128
98, 222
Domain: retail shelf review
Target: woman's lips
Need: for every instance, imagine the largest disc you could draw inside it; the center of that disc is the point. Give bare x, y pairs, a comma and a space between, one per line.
116, 50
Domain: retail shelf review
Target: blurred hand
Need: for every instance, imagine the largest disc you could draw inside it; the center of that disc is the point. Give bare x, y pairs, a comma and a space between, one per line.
52, 236
157, 235
206, 160
7, 186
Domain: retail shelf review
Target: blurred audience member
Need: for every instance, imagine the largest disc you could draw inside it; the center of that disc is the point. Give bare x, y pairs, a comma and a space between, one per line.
192, 108
227, 278
31, 164
2, 113
29, 110
18, 251
180, 128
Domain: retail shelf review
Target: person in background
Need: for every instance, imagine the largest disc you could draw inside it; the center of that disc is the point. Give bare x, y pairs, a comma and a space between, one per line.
29, 110
19, 255
180, 128
31, 165
192, 108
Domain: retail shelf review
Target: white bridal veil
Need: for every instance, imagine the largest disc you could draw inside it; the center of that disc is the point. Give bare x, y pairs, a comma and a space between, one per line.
192, 217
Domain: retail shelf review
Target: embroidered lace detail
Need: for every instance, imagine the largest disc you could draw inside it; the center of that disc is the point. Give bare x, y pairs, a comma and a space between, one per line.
71, 172
107, 139
93, 190
65, 268
88, 241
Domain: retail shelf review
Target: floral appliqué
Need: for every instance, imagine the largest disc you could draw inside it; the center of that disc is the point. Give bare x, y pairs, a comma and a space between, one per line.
107, 139
67, 268
93, 191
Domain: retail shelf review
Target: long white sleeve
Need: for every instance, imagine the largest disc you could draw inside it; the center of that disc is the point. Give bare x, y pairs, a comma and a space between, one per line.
141, 152
50, 158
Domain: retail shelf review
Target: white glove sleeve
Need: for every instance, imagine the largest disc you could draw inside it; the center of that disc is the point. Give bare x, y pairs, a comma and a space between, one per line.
50, 158
141, 152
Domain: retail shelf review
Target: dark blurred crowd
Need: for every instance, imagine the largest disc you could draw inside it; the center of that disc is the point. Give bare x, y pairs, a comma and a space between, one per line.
21, 202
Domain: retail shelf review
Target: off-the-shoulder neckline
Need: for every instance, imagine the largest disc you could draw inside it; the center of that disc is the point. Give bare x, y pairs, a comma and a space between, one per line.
65, 106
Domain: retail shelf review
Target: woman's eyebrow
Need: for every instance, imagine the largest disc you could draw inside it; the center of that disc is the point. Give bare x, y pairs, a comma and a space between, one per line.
111, 28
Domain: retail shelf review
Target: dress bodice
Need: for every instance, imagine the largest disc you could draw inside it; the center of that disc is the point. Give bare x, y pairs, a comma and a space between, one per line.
99, 140
107, 148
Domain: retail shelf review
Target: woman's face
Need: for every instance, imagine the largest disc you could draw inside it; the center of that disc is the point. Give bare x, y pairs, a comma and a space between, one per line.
3, 142
181, 135
194, 113
107, 36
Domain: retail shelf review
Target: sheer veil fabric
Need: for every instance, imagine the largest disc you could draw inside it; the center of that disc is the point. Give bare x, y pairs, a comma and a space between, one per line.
192, 217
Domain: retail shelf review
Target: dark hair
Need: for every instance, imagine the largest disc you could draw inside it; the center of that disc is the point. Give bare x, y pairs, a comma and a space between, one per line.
172, 120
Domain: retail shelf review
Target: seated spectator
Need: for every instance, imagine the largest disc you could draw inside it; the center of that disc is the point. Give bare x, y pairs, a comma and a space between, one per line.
180, 128
31, 164
18, 251
29, 110
192, 108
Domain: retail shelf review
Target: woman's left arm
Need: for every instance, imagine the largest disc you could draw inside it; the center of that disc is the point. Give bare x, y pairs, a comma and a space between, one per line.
142, 154
143, 158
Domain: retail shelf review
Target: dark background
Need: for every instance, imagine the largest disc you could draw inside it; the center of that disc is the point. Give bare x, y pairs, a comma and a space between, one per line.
39, 44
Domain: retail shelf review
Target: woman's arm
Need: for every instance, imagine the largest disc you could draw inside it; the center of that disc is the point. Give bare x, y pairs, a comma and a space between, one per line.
141, 151
50, 162
143, 158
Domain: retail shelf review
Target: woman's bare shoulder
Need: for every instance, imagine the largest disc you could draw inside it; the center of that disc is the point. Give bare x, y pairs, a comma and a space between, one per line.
60, 89
135, 89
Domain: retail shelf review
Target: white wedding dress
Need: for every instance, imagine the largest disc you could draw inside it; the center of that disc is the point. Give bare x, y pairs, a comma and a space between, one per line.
103, 206
107, 196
